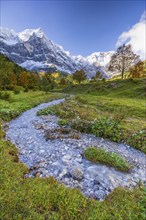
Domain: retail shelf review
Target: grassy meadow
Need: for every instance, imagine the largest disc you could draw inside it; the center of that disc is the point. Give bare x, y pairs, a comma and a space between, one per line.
106, 113
113, 109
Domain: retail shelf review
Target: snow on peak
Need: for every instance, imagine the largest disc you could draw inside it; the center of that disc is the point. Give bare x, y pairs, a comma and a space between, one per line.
100, 58
26, 34
8, 36
44, 53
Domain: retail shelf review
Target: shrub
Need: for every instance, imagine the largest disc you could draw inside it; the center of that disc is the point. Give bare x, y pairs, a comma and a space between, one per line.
63, 122
109, 158
108, 128
138, 140
44, 111
5, 96
26, 89
16, 90
7, 115
82, 125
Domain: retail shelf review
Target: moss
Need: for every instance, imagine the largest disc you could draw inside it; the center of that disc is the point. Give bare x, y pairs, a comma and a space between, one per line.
99, 155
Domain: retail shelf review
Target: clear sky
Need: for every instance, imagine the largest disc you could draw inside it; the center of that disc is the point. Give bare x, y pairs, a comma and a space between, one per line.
81, 27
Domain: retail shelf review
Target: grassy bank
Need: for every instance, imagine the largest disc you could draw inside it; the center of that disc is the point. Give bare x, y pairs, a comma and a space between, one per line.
14, 104
127, 88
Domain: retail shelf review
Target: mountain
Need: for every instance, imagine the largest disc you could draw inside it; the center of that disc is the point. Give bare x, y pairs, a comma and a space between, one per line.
31, 49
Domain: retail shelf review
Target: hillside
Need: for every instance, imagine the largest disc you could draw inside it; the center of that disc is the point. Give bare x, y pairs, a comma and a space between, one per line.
130, 88
13, 77
8, 65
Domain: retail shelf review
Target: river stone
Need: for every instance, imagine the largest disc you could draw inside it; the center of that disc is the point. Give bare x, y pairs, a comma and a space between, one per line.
56, 166
79, 160
77, 173
100, 194
63, 173
66, 158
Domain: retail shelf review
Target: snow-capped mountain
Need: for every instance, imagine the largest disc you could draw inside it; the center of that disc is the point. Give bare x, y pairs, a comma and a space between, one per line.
9, 37
100, 58
33, 50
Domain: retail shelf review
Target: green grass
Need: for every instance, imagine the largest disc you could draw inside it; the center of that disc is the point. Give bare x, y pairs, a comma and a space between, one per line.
116, 122
98, 155
127, 88
23, 101
117, 113
45, 198
62, 122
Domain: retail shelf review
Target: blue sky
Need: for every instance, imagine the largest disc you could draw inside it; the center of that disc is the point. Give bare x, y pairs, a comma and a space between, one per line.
81, 27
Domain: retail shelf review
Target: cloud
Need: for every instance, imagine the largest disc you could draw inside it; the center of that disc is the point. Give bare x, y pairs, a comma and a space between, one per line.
136, 36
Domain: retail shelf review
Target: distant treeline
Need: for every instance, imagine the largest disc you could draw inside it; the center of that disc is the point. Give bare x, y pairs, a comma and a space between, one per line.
12, 76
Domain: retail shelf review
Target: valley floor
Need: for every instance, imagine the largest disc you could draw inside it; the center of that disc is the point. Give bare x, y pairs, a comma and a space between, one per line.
45, 198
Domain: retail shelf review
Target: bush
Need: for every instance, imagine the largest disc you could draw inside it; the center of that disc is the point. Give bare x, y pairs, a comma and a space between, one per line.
26, 89
44, 111
108, 128
16, 90
5, 96
138, 140
109, 158
63, 122
7, 115
82, 125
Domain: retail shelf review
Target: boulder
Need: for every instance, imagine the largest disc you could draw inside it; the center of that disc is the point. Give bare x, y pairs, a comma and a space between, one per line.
77, 173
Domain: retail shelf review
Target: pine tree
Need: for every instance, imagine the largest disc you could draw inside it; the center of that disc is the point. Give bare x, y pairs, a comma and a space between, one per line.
123, 59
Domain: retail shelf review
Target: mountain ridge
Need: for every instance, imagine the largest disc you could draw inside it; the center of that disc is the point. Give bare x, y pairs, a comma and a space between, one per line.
32, 50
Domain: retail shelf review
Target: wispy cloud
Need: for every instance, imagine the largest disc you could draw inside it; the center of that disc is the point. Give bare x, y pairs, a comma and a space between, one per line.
136, 36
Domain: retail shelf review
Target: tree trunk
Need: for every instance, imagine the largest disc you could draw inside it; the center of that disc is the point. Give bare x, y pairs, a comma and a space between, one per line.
122, 73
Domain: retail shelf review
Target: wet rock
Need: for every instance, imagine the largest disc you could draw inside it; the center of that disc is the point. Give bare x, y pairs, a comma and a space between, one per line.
79, 160
37, 174
66, 158
49, 136
100, 194
77, 173
63, 173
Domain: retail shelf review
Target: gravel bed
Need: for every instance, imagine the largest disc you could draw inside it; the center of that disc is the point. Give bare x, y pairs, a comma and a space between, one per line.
62, 155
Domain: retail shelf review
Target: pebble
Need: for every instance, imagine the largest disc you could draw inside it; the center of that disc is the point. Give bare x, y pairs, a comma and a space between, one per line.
63, 158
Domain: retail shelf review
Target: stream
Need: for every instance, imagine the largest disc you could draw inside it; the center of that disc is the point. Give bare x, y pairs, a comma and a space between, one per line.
49, 151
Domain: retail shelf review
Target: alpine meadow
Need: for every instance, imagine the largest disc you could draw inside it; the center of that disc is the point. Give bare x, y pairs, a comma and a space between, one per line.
73, 127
